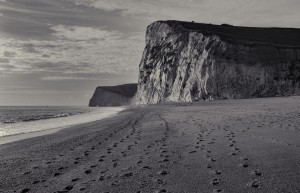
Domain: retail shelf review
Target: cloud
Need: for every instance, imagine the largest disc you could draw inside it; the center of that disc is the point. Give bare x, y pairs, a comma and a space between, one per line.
76, 50
6, 66
33, 19
237, 12
29, 48
4, 60
79, 33
9, 54
59, 78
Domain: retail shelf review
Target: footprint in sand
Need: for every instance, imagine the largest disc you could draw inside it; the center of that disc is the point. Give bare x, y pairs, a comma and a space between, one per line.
115, 183
82, 189
101, 178
159, 181
257, 173
86, 153
244, 158
126, 175
75, 179
217, 172
161, 191
36, 182
68, 188
255, 184
217, 190
215, 181
57, 174
25, 190
163, 173
245, 165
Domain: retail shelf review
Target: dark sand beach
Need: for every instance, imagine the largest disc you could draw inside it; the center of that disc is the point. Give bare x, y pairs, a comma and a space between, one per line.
236, 146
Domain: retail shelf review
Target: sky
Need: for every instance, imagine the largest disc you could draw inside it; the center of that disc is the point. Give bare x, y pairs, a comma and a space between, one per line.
56, 52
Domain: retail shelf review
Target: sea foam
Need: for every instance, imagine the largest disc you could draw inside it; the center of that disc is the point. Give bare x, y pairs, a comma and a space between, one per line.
9, 129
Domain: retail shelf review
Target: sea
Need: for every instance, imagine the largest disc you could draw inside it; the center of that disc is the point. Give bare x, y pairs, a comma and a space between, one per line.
16, 120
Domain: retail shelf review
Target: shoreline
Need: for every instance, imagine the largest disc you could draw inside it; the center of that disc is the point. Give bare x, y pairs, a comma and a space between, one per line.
249, 145
31, 134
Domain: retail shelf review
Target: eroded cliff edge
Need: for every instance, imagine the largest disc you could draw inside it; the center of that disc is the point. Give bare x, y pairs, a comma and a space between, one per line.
120, 95
185, 61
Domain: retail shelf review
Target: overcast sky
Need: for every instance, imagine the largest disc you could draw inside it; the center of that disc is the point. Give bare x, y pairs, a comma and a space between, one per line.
55, 52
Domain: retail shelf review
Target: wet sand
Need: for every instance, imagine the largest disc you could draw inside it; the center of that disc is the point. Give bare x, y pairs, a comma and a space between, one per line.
235, 146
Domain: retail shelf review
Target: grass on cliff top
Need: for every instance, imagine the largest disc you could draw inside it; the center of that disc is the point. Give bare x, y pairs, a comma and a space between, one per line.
277, 36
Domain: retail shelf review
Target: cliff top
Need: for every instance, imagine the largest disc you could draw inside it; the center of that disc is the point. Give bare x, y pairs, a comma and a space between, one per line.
237, 34
128, 90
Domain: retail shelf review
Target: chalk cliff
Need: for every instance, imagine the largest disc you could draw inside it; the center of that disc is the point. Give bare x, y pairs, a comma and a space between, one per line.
187, 61
113, 95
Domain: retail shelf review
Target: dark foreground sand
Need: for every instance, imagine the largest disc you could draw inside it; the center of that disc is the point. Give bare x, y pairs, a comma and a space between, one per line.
231, 146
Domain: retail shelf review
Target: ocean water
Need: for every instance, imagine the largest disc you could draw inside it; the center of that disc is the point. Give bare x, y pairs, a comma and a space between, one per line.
21, 120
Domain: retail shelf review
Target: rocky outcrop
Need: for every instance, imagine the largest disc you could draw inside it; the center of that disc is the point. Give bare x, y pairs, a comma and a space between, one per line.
185, 61
113, 95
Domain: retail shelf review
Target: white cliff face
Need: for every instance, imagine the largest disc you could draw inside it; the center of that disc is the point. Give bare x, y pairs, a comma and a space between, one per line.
186, 65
